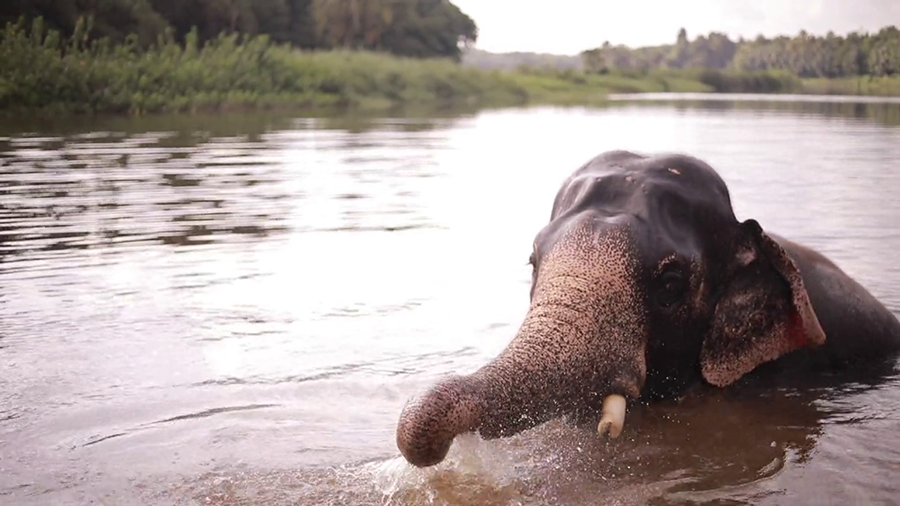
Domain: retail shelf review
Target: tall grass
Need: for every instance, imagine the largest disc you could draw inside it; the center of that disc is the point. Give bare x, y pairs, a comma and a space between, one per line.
715, 81
39, 70
748, 82
556, 85
866, 85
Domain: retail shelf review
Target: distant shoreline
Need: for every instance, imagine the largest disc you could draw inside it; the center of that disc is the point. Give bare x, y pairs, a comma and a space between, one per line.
232, 74
342, 81
755, 97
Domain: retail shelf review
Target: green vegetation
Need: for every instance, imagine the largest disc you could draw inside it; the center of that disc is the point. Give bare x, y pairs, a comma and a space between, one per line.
41, 70
575, 87
871, 85
705, 80
143, 56
417, 28
805, 56
479, 58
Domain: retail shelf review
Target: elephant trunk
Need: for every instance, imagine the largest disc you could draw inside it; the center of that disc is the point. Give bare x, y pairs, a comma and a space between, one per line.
576, 346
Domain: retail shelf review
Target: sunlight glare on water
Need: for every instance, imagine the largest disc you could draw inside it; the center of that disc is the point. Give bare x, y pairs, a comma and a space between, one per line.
234, 309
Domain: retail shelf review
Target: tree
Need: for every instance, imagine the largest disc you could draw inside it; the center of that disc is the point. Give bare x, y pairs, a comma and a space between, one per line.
115, 19
417, 28
429, 28
805, 55
301, 27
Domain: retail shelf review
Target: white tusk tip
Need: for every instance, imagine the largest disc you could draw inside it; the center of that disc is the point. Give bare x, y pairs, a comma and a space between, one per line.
613, 416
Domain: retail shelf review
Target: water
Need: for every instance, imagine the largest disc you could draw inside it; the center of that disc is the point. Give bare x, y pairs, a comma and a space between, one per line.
234, 309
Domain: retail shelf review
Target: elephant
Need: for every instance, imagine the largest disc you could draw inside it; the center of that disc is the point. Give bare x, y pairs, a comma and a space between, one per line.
645, 285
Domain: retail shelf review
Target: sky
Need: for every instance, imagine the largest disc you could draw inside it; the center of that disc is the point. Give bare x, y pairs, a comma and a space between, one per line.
570, 26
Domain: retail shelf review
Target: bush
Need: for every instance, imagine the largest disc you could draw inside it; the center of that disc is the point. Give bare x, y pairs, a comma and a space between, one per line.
749, 82
40, 70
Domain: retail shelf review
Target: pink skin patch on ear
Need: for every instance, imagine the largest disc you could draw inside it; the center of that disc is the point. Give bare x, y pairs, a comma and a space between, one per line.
796, 332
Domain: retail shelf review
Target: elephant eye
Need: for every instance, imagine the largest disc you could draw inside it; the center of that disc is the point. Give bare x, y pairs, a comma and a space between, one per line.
672, 285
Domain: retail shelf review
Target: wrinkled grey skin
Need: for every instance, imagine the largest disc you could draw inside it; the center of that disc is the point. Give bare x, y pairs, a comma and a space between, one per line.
645, 283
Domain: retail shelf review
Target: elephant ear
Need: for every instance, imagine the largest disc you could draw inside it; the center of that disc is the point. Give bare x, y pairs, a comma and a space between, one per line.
763, 313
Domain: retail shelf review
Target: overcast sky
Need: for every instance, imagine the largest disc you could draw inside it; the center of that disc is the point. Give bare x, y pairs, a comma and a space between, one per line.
570, 26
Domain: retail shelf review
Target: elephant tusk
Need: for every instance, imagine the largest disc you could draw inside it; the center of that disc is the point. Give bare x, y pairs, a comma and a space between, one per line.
613, 416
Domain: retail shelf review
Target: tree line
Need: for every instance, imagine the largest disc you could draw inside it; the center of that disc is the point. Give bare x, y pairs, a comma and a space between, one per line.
413, 28
806, 55
515, 60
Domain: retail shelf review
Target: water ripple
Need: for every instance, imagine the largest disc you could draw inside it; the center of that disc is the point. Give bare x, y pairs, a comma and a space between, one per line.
160, 278
214, 411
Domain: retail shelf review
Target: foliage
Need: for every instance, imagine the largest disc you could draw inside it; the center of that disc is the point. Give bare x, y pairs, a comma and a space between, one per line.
39, 69
423, 28
749, 82
871, 85
510, 61
117, 18
830, 56
42, 69
553, 85
806, 56
415, 28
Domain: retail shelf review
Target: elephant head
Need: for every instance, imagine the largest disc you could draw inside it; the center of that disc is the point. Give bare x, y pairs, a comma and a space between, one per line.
643, 283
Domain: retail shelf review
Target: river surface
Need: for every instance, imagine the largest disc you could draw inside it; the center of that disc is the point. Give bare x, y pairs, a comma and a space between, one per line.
234, 309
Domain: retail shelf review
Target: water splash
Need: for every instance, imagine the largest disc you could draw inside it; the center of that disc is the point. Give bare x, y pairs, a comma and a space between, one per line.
474, 468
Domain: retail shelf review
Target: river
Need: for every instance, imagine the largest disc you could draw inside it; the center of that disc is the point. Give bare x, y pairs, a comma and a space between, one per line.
234, 309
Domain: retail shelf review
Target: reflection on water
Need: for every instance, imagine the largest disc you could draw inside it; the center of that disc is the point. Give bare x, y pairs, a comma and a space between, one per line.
233, 309
884, 110
796, 99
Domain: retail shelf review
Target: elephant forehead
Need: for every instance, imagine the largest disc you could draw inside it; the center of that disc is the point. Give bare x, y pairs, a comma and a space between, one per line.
644, 186
676, 209
647, 194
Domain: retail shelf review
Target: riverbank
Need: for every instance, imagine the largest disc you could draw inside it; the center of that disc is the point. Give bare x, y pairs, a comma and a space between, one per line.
41, 73
866, 85
229, 73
